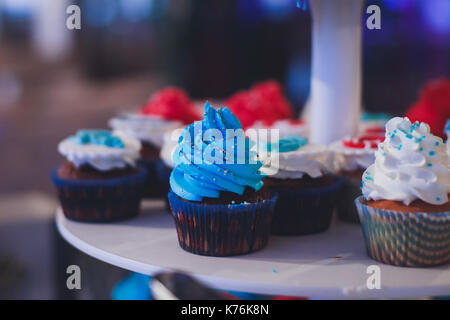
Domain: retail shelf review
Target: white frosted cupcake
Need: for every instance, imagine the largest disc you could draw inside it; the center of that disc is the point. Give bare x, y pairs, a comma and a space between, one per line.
351, 157
301, 174
405, 208
165, 111
100, 180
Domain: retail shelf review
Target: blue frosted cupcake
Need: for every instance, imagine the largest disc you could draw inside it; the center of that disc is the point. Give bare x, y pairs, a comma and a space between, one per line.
307, 190
100, 181
217, 197
405, 208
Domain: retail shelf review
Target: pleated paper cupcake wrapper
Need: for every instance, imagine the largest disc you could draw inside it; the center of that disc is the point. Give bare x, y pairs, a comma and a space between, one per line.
101, 200
152, 188
304, 211
163, 173
345, 207
222, 230
406, 239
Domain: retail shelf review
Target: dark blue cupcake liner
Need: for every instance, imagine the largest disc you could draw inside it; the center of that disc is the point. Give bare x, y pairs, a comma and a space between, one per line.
152, 189
163, 172
219, 229
407, 239
304, 211
345, 208
100, 200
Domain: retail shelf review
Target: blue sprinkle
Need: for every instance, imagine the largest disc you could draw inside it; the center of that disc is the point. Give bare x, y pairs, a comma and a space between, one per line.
420, 149
431, 153
438, 199
437, 143
367, 172
274, 271
399, 147
369, 178
429, 164
409, 136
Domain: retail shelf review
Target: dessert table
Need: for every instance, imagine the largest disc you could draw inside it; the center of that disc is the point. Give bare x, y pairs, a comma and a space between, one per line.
331, 265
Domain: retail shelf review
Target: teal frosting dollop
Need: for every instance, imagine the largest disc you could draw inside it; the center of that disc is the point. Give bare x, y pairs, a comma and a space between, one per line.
214, 160
380, 116
97, 137
288, 144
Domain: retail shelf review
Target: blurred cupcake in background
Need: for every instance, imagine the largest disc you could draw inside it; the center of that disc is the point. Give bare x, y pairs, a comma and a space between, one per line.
219, 208
433, 106
100, 181
405, 209
301, 174
352, 156
261, 106
373, 123
166, 110
166, 165
447, 134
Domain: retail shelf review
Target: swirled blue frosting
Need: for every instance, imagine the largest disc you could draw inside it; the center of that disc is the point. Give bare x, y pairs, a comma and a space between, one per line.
97, 137
213, 155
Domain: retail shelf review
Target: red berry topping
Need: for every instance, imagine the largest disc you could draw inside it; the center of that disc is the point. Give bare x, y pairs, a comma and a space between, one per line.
264, 102
171, 104
433, 106
363, 142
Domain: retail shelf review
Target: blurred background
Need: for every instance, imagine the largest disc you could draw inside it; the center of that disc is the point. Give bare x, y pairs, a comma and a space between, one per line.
54, 81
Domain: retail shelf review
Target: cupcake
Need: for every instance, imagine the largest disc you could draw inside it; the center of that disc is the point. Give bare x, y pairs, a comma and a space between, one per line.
373, 123
100, 181
263, 104
351, 157
405, 209
165, 166
165, 111
301, 175
217, 197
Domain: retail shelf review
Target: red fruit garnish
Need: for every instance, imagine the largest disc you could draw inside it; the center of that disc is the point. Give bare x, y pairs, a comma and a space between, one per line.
363, 142
433, 106
171, 104
264, 102
375, 130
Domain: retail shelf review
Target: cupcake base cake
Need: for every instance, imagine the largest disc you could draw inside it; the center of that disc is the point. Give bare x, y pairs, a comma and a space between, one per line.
305, 206
90, 196
149, 160
417, 235
231, 225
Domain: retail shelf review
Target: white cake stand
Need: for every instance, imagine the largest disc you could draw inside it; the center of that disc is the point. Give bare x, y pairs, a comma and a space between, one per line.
328, 265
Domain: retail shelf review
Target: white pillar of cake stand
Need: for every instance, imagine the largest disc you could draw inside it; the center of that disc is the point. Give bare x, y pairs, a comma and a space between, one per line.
336, 69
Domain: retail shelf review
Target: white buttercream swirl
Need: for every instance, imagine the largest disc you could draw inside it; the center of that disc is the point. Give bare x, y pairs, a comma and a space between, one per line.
410, 164
351, 159
169, 145
312, 160
145, 128
101, 157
